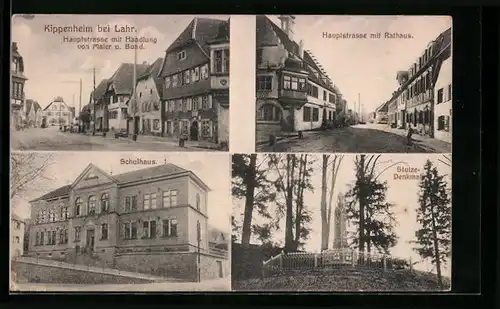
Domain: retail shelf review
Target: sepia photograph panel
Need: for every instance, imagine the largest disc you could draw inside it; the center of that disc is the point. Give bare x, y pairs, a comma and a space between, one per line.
88, 221
341, 222
120, 82
353, 84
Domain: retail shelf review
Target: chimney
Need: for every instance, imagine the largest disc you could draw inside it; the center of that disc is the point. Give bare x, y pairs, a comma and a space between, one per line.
301, 49
287, 23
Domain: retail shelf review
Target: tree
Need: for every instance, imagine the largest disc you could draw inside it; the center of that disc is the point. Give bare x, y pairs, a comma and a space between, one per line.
249, 182
434, 216
326, 209
27, 169
293, 178
374, 218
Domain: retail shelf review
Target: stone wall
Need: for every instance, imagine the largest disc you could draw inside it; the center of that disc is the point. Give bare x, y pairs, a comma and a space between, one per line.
52, 274
263, 130
213, 267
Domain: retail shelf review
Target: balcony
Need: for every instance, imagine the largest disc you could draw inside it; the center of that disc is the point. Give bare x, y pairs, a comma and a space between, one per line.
293, 98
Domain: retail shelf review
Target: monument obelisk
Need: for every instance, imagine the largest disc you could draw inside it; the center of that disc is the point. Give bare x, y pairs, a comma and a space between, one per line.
339, 227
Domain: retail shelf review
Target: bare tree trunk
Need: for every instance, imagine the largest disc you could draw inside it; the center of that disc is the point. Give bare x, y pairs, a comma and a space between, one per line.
337, 160
289, 204
436, 245
325, 229
361, 198
249, 201
300, 199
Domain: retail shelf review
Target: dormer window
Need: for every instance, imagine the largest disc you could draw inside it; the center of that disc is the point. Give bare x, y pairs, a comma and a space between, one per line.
181, 55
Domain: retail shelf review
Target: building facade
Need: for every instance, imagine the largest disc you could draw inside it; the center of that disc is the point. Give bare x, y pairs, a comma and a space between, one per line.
18, 80
33, 113
195, 71
443, 110
152, 220
293, 91
58, 113
17, 234
149, 90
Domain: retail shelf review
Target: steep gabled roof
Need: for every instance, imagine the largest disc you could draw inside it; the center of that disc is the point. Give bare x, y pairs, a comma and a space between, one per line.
223, 33
88, 168
200, 30
32, 104
153, 71
100, 90
59, 100
122, 79
265, 37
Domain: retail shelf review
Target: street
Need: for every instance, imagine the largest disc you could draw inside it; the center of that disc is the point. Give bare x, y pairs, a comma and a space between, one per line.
204, 286
370, 138
52, 139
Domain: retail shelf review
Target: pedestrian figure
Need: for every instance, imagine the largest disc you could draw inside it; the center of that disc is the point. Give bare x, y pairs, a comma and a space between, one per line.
408, 135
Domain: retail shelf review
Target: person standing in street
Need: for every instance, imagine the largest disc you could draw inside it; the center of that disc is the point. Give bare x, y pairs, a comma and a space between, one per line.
409, 134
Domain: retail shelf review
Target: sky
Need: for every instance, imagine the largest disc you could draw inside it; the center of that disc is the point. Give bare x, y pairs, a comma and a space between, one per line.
54, 68
366, 66
65, 167
402, 193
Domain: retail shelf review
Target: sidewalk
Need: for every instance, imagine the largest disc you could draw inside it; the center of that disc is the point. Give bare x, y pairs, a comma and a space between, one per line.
165, 140
428, 143
99, 270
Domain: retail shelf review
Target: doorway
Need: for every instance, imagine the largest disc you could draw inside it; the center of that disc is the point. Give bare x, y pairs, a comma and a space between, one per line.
193, 134
219, 267
90, 240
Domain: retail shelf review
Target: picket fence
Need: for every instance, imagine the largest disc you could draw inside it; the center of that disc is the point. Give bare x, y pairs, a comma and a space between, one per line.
336, 258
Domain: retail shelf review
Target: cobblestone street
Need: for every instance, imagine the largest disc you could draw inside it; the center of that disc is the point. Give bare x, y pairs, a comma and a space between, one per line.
369, 138
51, 139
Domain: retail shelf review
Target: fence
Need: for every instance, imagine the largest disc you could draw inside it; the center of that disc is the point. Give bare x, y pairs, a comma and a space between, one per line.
337, 258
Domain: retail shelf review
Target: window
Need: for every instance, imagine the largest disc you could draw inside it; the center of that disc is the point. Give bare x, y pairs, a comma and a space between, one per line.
198, 201
269, 112
42, 238
181, 55
52, 216
170, 228
196, 74
440, 96
104, 231
221, 61
130, 230
205, 102
195, 103
147, 202
156, 124
187, 77
92, 205
290, 82
175, 80
204, 71
77, 233
64, 213
312, 90
306, 114
315, 114
18, 225
128, 203
17, 239
169, 127
169, 198
331, 98
184, 105
324, 95
105, 202
264, 82
49, 238
149, 229
206, 128
449, 92
61, 237
78, 206
168, 82
189, 104
441, 123
153, 200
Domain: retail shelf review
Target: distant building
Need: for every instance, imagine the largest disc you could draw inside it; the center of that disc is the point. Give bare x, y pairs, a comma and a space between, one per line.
196, 76
149, 91
33, 113
58, 113
18, 80
294, 93
17, 240
149, 220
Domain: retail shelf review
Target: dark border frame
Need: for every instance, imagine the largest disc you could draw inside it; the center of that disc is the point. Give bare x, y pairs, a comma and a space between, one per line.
466, 156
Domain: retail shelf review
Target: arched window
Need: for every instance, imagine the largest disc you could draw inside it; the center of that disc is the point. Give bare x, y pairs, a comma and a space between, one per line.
104, 202
198, 201
44, 216
91, 205
78, 207
269, 112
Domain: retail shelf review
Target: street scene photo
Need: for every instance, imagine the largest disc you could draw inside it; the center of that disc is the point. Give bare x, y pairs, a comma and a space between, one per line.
120, 82
353, 84
341, 222
103, 221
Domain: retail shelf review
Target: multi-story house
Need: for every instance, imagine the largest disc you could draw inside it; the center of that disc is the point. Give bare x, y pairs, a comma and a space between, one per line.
58, 113
381, 113
196, 76
153, 220
33, 113
443, 110
293, 91
149, 91
392, 111
97, 107
18, 80
17, 235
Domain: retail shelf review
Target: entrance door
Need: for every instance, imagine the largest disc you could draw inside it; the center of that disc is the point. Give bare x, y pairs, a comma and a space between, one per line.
219, 267
90, 240
194, 131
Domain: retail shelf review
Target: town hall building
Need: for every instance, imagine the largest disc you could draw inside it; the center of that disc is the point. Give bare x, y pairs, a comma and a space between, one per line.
152, 220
